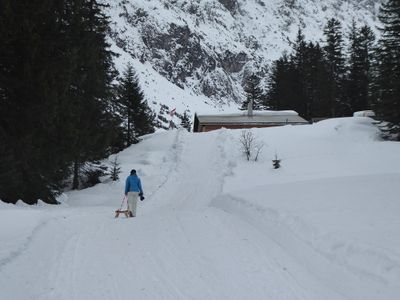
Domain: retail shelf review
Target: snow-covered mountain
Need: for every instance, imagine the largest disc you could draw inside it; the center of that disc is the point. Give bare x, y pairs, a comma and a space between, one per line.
194, 54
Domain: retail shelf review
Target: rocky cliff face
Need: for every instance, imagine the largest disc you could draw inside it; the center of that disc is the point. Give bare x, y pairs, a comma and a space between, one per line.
208, 47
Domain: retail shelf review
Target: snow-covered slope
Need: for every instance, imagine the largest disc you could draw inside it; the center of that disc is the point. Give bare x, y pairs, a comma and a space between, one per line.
205, 48
214, 226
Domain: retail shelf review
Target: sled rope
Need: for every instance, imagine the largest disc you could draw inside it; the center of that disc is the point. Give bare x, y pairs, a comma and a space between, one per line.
122, 203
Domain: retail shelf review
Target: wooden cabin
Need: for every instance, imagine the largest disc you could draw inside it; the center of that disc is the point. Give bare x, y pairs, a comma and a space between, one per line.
247, 119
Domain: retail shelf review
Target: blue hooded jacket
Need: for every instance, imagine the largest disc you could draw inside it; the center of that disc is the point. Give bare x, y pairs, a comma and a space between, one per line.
133, 184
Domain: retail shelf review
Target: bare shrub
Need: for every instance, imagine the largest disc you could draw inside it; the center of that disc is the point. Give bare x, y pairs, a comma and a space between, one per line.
250, 145
258, 147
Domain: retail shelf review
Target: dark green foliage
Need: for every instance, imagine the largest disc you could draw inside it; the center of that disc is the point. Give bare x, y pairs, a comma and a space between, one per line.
162, 119
358, 81
276, 163
91, 95
35, 72
89, 174
115, 169
8, 170
280, 90
309, 79
335, 59
314, 82
301, 103
253, 92
387, 80
185, 123
300, 82
139, 118
92, 173
317, 83
55, 91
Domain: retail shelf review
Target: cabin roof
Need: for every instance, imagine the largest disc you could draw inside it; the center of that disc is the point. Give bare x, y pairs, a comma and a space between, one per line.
258, 117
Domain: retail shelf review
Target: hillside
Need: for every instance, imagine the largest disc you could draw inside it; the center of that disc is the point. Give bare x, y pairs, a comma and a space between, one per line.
195, 55
214, 226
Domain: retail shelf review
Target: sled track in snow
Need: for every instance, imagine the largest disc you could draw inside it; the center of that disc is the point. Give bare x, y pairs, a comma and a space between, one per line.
213, 164
272, 225
174, 153
25, 246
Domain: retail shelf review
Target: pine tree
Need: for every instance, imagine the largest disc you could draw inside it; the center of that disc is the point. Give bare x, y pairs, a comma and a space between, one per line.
359, 77
335, 59
129, 94
317, 83
94, 126
299, 82
35, 75
185, 123
55, 90
387, 84
253, 92
281, 88
115, 169
133, 107
301, 74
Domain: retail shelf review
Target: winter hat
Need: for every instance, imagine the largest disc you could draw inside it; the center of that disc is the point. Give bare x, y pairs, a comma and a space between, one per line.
133, 172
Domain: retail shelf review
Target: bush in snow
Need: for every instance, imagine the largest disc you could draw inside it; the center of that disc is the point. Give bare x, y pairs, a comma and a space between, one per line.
276, 162
92, 173
250, 145
185, 123
115, 169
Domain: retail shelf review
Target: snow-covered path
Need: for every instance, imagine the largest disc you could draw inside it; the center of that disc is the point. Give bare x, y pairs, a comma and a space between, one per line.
197, 234
176, 249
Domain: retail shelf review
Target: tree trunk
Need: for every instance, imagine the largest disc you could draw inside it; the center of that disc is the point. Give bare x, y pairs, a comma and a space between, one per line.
75, 181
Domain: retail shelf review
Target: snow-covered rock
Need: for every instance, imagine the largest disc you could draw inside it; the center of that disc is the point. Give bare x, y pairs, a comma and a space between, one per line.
204, 49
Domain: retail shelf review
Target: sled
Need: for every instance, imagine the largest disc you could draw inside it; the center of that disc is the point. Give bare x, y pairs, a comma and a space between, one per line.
125, 212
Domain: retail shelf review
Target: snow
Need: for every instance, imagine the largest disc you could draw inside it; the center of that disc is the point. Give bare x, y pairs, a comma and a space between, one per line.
262, 30
364, 113
261, 113
215, 226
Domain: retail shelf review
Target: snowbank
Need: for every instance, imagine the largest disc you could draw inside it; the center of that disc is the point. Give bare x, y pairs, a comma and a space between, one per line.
215, 226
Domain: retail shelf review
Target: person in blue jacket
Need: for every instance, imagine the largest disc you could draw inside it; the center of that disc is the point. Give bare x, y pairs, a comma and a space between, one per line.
133, 190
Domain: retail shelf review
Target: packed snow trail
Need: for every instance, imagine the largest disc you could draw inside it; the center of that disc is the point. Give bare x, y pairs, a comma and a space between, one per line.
191, 239
175, 249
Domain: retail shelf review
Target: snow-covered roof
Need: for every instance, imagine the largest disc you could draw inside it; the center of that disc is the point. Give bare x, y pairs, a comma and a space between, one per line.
364, 113
258, 117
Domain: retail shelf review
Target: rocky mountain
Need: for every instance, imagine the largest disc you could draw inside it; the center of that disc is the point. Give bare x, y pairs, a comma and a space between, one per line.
194, 54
